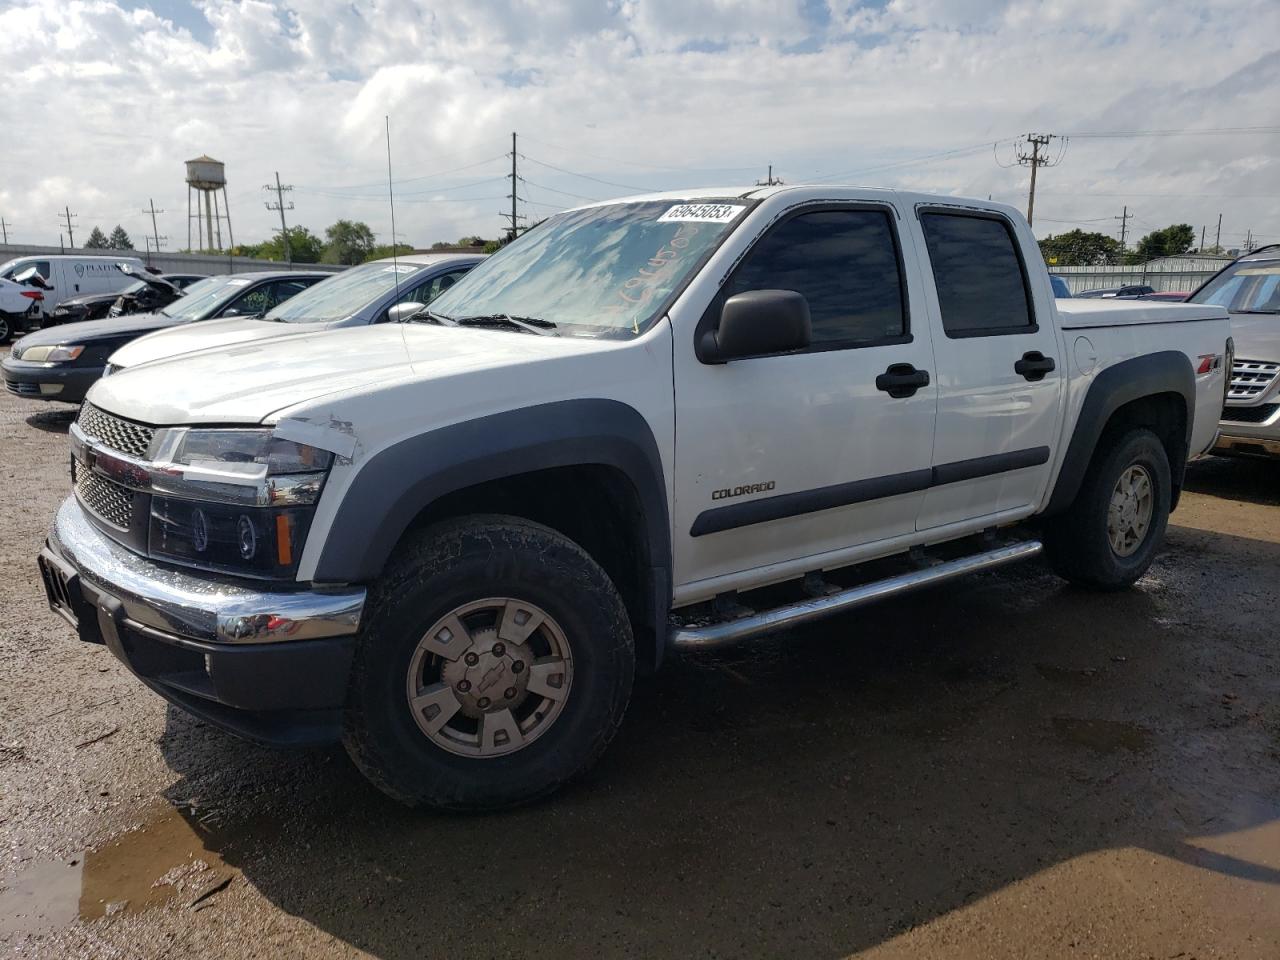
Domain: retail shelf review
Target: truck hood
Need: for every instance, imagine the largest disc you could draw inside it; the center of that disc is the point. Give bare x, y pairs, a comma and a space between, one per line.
1257, 336
190, 337
247, 382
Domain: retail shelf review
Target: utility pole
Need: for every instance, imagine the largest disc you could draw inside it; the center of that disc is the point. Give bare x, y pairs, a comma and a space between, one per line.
1217, 240
770, 180
71, 236
514, 215
1248, 241
1124, 225
155, 231
279, 190
1035, 160
4, 229
1201, 247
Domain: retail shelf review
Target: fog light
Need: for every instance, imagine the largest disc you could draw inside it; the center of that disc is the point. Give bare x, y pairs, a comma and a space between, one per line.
248, 537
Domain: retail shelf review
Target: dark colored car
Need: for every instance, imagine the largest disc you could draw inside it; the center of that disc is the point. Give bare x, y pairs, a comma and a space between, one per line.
62, 362
1131, 290
147, 294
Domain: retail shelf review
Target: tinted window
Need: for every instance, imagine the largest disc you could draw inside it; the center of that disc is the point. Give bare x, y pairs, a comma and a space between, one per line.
981, 287
845, 265
1247, 286
424, 293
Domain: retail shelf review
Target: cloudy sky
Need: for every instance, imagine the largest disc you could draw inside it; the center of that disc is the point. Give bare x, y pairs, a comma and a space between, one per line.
103, 100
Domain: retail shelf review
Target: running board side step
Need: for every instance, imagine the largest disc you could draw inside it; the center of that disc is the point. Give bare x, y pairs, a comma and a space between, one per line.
745, 628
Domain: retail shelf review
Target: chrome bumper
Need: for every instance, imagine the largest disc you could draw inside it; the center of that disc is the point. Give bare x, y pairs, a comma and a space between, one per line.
191, 606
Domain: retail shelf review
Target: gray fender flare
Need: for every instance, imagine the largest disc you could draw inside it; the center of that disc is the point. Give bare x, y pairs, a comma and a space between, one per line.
396, 484
1166, 372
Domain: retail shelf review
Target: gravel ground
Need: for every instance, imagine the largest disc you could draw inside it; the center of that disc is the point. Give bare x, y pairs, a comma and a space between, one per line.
1003, 767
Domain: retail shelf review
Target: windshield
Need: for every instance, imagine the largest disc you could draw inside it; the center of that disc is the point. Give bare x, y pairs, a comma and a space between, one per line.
205, 297
136, 287
601, 271
343, 294
1250, 286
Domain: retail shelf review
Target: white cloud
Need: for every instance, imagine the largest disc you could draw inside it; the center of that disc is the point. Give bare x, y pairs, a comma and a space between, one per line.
646, 93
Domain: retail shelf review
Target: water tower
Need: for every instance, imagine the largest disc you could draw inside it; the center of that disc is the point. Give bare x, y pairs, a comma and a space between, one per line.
206, 177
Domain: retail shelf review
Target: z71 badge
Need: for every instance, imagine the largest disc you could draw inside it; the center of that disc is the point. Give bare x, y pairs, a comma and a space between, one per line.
745, 490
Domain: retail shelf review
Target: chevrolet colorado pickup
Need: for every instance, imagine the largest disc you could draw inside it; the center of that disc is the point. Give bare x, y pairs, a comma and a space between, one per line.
672, 421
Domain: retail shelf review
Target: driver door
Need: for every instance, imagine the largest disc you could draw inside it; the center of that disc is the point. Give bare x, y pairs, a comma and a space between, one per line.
797, 460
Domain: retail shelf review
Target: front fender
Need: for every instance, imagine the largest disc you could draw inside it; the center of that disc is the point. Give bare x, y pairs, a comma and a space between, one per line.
396, 484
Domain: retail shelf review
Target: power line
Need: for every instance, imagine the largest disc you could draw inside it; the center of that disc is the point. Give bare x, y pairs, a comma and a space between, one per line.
543, 186
155, 231
1182, 132
279, 205
1124, 224
69, 217
585, 176
1035, 160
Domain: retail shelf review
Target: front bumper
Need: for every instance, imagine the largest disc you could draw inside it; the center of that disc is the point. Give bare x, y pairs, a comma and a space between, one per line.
1250, 431
269, 666
43, 381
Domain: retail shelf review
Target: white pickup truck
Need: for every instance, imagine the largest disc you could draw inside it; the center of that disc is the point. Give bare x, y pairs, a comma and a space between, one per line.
452, 542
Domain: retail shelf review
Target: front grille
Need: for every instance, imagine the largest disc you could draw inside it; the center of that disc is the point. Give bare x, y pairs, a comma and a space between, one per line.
1259, 414
23, 389
104, 498
115, 432
1251, 378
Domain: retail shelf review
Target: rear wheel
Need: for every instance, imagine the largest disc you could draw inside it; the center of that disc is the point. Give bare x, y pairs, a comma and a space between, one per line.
1109, 535
496, 665
6, 329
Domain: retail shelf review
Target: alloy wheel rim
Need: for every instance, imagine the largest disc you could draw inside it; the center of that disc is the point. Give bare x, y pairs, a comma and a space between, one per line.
1129, 513
489, 677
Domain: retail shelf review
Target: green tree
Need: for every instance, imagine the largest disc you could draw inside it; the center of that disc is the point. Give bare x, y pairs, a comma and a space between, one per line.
1169, 242
97, 240
304, 246
383, 250
349, 242
1078, 248
119, 240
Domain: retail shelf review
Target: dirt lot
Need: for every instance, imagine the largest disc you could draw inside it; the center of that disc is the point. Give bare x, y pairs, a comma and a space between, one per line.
1005, 767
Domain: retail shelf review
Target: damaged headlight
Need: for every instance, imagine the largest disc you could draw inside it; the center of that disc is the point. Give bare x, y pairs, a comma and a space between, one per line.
240, 501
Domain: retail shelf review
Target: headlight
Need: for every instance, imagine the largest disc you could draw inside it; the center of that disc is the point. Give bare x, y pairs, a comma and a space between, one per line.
240, 501
62, 353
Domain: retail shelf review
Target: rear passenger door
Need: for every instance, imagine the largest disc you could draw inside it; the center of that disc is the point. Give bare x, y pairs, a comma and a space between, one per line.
999, 372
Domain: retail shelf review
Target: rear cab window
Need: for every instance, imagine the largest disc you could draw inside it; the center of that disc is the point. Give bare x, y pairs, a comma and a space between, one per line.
982, 284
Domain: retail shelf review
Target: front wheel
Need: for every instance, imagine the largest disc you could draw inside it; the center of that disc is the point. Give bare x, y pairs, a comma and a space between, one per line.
6, 329
496, 665
1109, 536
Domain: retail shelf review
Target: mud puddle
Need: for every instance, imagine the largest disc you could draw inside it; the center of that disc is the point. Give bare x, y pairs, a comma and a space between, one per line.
165, 860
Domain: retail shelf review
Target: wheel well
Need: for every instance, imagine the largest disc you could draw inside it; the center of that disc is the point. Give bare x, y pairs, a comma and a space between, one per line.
595, 506
1165, 415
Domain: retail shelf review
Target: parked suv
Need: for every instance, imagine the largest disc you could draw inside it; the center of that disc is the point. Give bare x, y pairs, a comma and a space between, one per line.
1250, 290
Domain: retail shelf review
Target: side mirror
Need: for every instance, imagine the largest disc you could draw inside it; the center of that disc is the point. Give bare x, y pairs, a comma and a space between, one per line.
403, 311
757, 322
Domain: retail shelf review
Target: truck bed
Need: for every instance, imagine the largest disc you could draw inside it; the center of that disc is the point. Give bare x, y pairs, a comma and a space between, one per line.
1085, 314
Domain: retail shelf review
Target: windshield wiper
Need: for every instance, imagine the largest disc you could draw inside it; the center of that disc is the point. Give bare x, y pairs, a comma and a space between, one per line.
1266, 313
430, 316
543, 328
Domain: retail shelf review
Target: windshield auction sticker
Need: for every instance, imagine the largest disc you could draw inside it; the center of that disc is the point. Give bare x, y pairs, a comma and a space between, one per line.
701, 213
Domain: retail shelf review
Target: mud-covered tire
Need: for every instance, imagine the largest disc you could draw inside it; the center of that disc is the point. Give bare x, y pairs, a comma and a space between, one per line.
445, 567
1078, 542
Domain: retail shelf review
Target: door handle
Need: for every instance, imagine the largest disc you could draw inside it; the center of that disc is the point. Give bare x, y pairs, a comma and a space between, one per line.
1034, 365
902, 380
